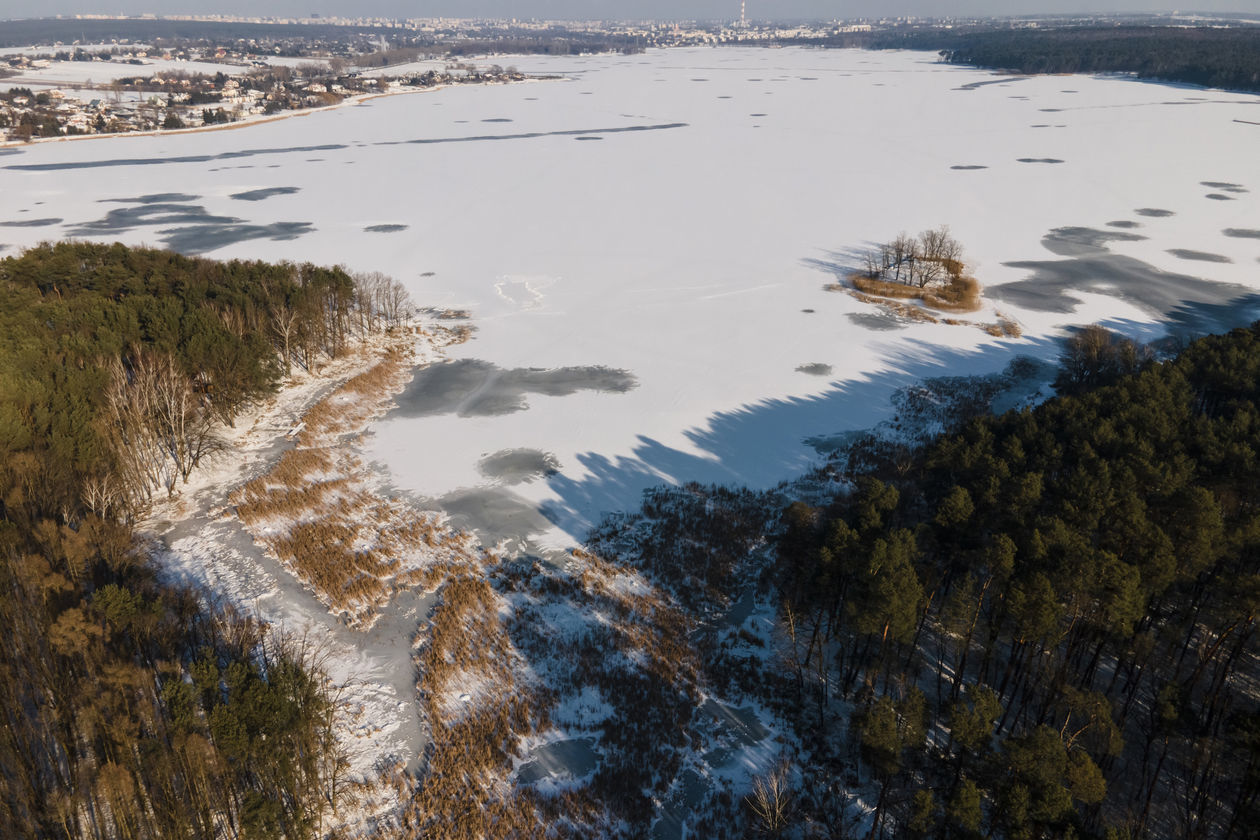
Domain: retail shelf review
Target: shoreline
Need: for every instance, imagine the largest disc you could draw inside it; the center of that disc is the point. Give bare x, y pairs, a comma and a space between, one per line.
248, 122
197, 538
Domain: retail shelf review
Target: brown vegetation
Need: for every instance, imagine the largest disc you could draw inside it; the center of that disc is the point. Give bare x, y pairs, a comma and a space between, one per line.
957, 294
478, 712
927, 268
314, 511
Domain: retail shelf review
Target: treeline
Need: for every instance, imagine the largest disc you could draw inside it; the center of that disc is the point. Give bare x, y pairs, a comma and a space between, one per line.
130, 709
555, 43
934, 256
1210, 56
157, 348
1045, 623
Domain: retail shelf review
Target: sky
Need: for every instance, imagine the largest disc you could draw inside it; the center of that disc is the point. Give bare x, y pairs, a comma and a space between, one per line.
604, 9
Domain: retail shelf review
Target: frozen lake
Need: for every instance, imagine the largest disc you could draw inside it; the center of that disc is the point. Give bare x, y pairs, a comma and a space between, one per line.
643, 246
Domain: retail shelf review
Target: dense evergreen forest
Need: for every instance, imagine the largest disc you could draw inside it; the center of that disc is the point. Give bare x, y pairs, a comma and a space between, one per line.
1038, 625
1047, 622
1225, 58
1210, 56
131, 709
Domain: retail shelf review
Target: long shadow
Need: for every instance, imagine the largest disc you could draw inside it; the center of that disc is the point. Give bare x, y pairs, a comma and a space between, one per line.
244, 153
762, 444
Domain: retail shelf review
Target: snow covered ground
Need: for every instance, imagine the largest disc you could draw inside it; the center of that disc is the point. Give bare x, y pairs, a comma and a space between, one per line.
79, 73
643, 246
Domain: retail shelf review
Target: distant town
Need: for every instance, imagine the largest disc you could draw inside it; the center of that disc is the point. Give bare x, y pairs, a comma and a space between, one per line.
95, 74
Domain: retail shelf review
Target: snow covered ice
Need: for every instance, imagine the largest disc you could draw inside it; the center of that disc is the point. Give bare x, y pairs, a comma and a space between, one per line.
643, 245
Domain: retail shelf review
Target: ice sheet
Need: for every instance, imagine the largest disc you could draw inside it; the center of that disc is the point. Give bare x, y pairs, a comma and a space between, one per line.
689, 246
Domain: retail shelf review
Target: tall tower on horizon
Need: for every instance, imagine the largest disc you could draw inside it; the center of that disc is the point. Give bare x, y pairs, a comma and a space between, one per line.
743, 17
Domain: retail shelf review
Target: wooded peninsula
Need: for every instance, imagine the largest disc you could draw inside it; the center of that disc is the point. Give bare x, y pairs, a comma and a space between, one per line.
1036, 624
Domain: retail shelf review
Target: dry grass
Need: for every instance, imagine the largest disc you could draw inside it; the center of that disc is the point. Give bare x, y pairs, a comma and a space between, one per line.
959, 294
465, 791
316, 514
625, 639
884, 288
904, 310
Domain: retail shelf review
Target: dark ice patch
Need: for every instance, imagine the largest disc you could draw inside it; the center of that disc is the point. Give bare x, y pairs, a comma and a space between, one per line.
1242, 233
1124, 223
1052, 285
1002, 81
25, 223
497, 120
385, 228
515, 466
1083, 241
1201, 256
1224, 186
146, 215
197, 239
1154, 212
1219, 197
1040, 160
152, 198
475, 388
588, 137
967, 166
157, 161
815, 369
493, 513
265, 192
188, 227
574, 132
575, 758
876, 320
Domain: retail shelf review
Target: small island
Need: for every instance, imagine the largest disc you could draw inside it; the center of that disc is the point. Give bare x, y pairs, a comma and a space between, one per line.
929, 269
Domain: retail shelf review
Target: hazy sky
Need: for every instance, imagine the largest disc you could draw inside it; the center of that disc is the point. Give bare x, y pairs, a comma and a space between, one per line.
606, 9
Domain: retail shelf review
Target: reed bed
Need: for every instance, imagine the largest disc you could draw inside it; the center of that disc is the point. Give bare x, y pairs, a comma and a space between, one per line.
317, 512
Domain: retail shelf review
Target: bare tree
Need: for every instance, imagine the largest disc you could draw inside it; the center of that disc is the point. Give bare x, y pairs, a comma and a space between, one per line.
771, 800
283, 320
161, 430
396, 302
181, 417
902, 248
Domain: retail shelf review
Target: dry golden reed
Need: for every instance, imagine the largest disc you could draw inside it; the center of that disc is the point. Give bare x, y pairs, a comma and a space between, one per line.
313, 510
